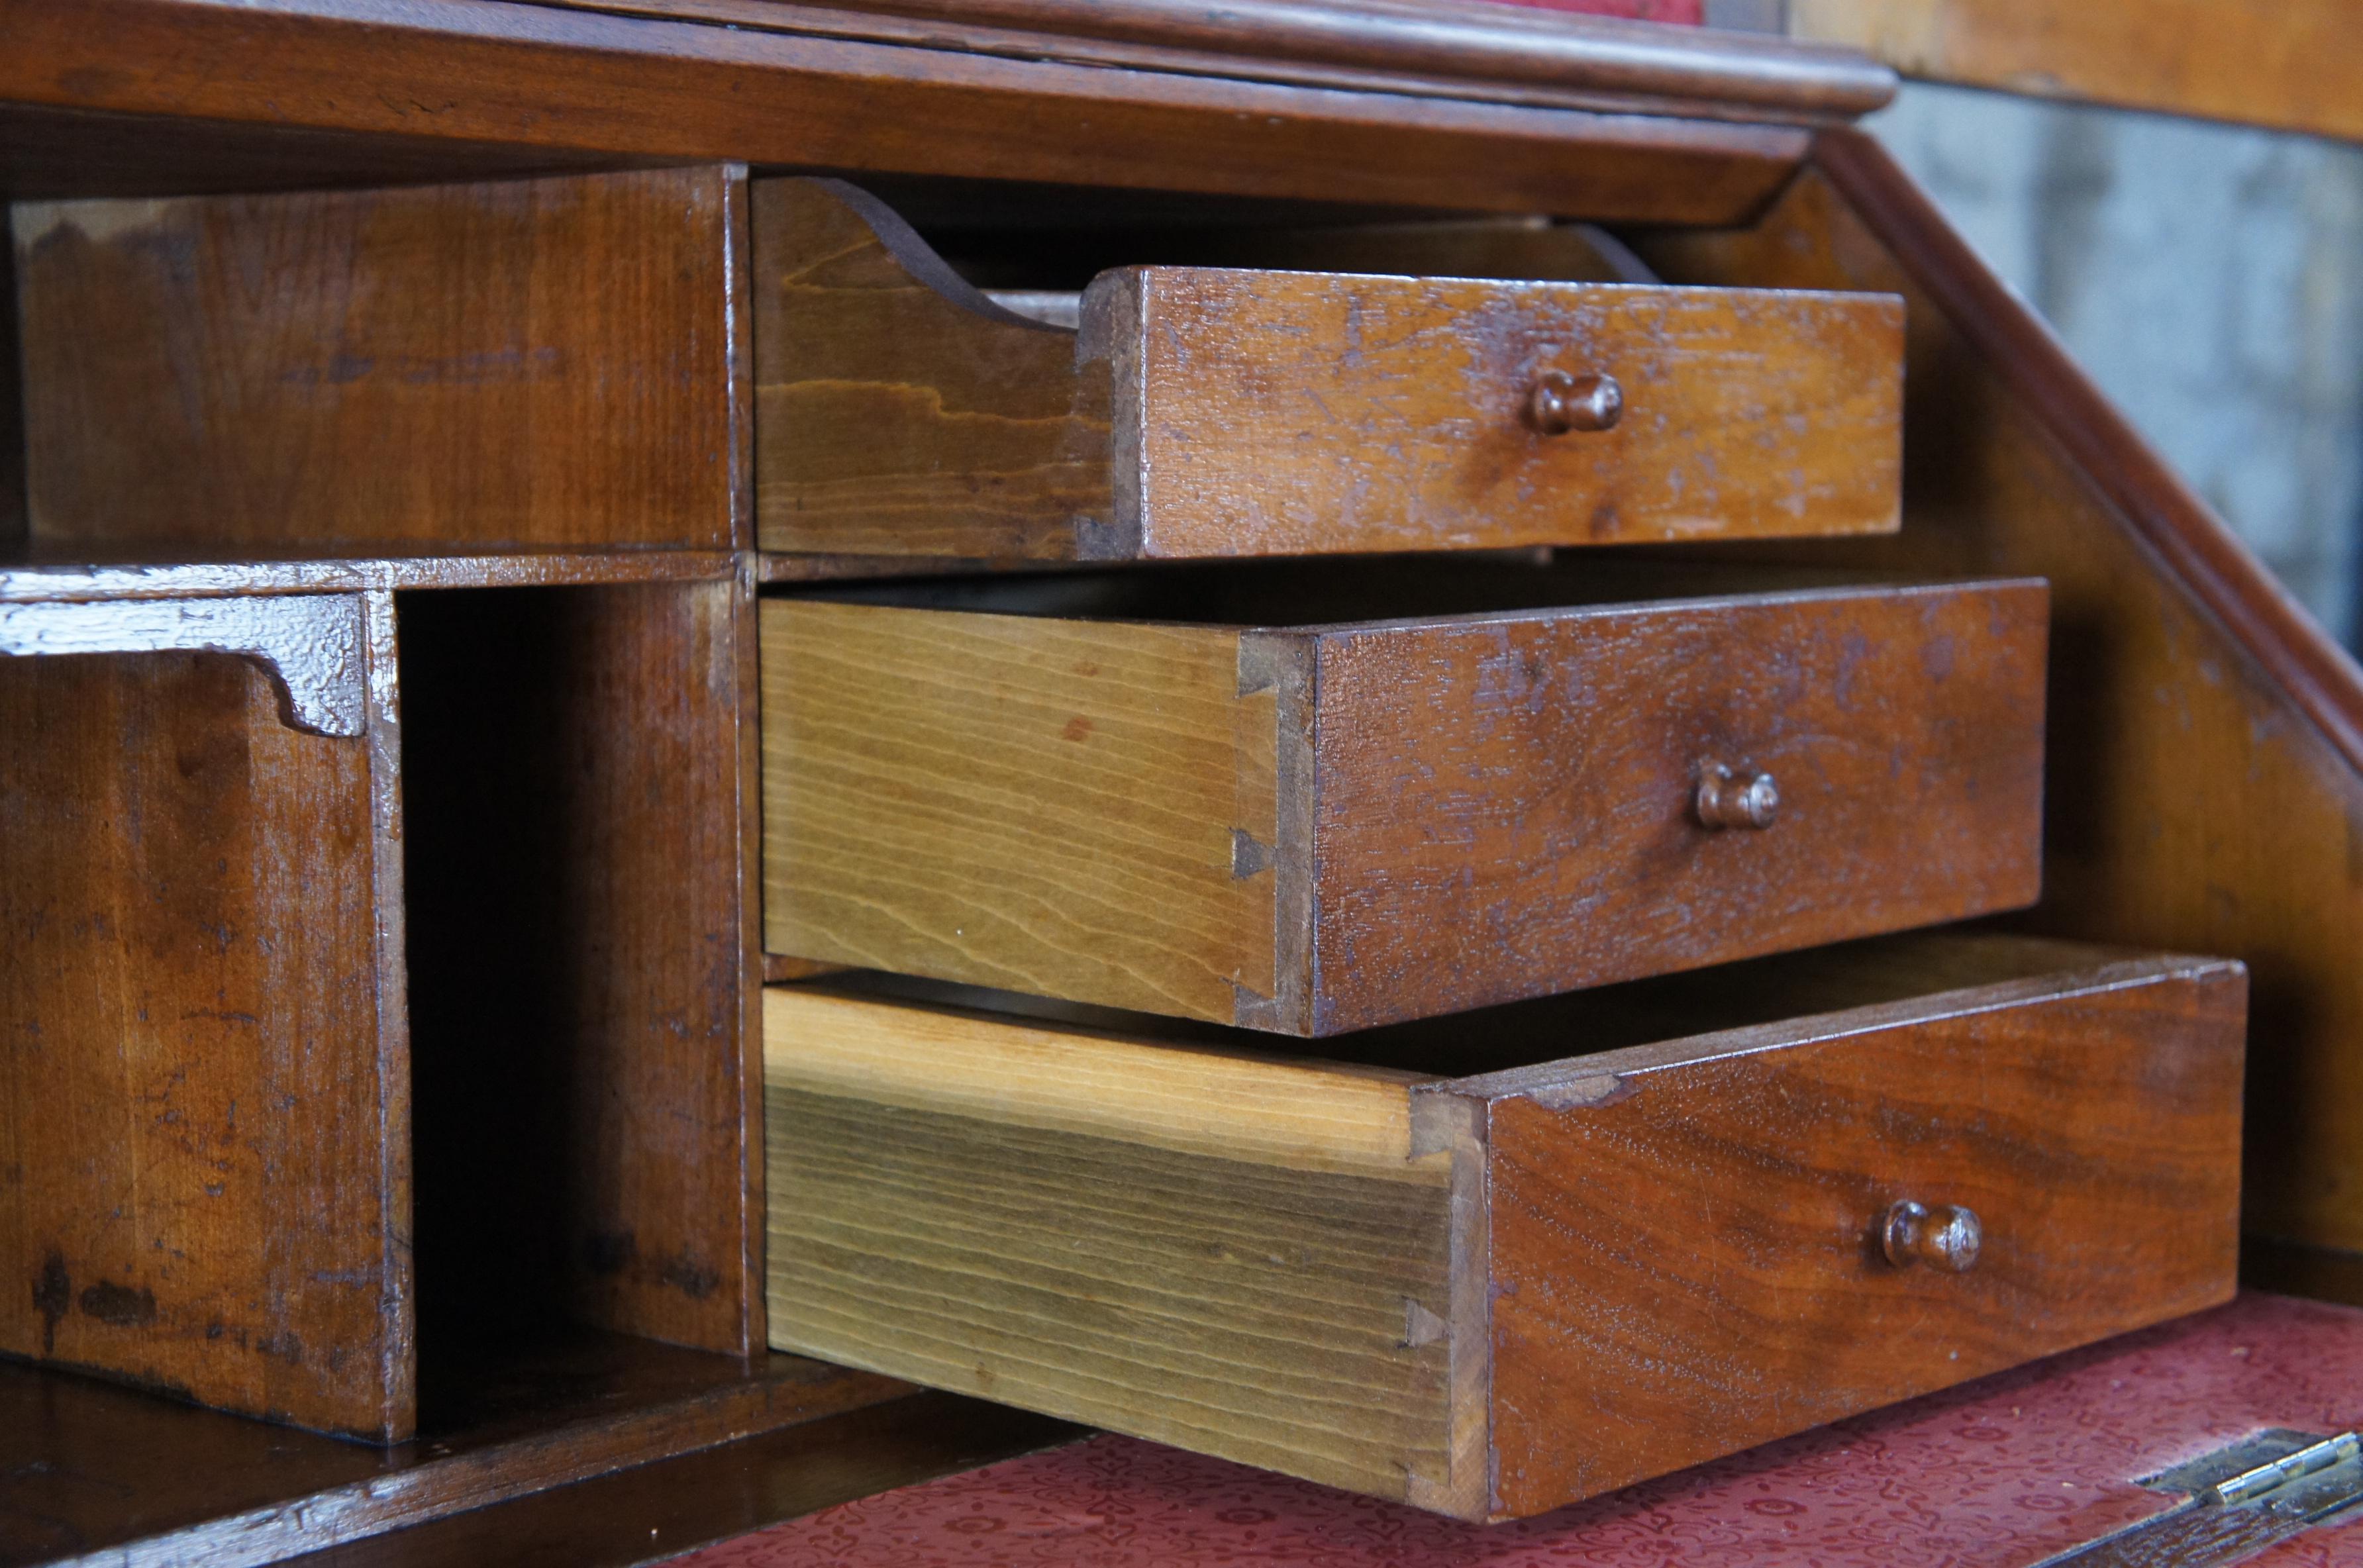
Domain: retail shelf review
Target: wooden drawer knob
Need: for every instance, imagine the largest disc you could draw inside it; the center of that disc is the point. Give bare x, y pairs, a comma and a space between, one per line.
1729, 799
1560, 402
1946, 1237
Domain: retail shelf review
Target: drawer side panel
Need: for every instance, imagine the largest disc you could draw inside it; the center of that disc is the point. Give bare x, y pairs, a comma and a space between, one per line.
979, 1227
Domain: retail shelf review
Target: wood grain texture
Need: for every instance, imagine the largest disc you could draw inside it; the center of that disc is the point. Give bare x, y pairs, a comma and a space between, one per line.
2206, 740
2291, 65
514, 77
1598, 1267
88, 1470
1292, 413
1234, 1255
535, 362
1047, 807
1208, 413
1401, 818
1681, 1244
203, 1138
899, 410
1505, 807
1405, 46
579, 962
76, 579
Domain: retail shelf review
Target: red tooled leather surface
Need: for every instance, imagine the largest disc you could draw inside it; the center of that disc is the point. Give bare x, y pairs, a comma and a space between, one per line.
1998, 1474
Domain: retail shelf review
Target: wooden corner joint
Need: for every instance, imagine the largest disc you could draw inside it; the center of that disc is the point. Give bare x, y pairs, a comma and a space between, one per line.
311, 645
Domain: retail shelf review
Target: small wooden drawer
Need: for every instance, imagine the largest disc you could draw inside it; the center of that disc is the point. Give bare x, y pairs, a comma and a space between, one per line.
1327, 827
1492, 1294
1206, 412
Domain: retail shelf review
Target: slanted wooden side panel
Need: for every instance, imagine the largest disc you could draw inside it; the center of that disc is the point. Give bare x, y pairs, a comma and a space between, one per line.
2197, 800
1069, 808
1280, 413
203, 1137
1685, 1253
1237, 1256
521, 363
899, 411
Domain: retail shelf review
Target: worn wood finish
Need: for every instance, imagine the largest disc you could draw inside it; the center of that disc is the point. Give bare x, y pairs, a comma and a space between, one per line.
1332, 827
204, 1139
2291, 64
1493, 1295
1403, 45
1683, 1252
534, 362
2206, 743
93, 1473
523, 76
1207, 411
75, 580
579, 951
1204, 1249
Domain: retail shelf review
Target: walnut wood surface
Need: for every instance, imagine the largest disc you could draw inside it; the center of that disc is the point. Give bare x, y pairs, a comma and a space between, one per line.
292, 572
534, 362
1209, 1250
1296, 413
509, 77
578, 952
1206, 413
2206, 740
1406, 46
2291, 64
1596, 1267
90, 1471
1681, 1250
204, 1142
1324, 829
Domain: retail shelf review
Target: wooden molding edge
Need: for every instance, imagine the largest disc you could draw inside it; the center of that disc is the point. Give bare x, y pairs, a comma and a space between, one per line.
1428, 48
2191, 545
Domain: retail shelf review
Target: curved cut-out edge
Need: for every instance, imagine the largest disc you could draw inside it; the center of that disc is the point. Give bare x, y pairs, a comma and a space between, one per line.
311, 645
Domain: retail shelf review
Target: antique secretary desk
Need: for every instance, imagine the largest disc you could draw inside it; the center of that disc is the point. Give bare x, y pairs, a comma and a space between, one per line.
1408, 741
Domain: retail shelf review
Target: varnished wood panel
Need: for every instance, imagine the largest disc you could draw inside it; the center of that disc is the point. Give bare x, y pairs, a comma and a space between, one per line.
1327, 828
523, 77
1683, 1250
1208, 1249
1209, 413
1047, 807
2291, 64
203, 1138
579, 953
1284, 413
533, 363
2206, 742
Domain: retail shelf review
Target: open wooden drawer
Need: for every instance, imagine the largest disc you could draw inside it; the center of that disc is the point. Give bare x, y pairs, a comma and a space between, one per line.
1498, 1263
1105, 788
1215, 411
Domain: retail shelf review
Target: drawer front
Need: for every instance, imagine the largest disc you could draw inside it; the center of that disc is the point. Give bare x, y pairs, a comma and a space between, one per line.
1317, 831
1504, 809
1690, 1258
1296, 413
1203, 413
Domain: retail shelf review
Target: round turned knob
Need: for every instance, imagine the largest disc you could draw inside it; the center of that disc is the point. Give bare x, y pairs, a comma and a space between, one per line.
1737, 799
1560, 402
1946, 1237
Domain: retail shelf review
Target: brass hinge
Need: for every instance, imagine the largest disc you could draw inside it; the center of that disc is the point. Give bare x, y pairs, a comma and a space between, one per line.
2238, 1501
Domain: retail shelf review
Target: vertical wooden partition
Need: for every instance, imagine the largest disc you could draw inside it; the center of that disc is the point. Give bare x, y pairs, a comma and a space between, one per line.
203, 1126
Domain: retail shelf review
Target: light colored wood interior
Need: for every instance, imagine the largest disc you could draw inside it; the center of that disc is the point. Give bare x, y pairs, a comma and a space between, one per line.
1234, 1255
959, 795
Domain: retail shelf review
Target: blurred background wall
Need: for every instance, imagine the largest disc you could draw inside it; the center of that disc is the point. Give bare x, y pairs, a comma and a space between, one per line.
2209, 277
